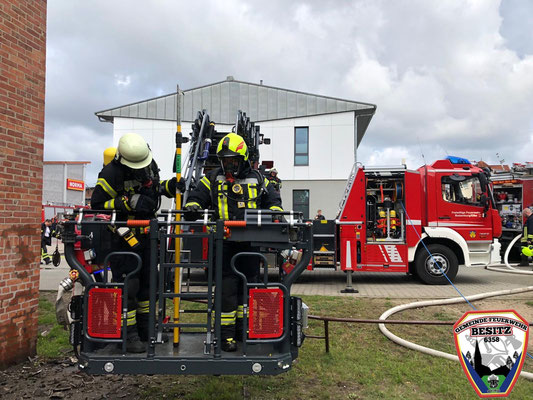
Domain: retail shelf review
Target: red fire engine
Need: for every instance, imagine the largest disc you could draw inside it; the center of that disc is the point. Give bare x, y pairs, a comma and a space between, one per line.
513, 191
391, 218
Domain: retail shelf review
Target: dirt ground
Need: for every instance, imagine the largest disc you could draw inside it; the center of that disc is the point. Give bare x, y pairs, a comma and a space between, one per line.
60, 379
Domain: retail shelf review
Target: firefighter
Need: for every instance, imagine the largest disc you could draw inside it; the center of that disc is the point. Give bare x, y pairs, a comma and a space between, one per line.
527, 237
229, 191
130, 184
46, 240
274, 180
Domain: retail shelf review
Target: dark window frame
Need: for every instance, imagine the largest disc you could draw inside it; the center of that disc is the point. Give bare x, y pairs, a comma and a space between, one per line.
296, 154
305, 205
452, 192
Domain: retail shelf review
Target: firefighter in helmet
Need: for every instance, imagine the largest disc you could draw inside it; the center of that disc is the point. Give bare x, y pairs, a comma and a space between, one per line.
274, 180
229, 191
130, 184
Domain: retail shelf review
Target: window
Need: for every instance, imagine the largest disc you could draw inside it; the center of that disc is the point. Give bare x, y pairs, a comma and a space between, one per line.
461, 189
300, 202
301, 145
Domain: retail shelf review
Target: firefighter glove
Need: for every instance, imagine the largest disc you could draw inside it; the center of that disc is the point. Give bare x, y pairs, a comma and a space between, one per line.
142, 203
193, 211
174, 185
192, 207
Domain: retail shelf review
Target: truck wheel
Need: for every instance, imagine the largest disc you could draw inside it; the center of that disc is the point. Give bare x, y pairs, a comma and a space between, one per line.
412, 268
428, 271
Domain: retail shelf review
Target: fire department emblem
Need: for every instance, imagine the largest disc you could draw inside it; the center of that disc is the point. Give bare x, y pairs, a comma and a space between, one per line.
472, 234
491, 346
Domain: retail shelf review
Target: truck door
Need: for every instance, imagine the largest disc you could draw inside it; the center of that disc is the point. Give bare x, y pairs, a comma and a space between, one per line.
461, 207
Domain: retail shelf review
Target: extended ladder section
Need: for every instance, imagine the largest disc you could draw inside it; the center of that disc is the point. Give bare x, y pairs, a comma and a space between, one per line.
349, 184
274, 320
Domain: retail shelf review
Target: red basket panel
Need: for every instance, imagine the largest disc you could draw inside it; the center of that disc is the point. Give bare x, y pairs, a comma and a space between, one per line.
266, 313
104, 313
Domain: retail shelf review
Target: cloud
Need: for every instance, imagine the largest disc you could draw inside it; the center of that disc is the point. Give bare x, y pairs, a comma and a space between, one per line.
451, 77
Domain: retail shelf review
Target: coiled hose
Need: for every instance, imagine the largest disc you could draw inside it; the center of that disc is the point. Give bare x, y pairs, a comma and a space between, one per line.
454, 300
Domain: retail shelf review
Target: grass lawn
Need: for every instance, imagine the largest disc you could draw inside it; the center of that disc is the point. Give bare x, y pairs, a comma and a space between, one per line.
362, 363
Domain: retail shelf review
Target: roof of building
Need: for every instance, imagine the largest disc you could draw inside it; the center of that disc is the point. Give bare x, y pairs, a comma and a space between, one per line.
223, 99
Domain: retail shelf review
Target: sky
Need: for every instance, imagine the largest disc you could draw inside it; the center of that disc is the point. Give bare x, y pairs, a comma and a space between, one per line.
450, 77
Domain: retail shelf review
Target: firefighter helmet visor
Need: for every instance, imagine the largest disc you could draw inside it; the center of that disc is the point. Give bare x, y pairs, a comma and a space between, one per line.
231, 165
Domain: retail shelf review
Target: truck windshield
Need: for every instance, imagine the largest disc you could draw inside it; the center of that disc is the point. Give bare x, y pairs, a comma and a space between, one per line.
467, 191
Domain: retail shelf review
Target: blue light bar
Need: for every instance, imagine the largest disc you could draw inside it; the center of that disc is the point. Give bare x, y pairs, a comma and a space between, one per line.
457, 160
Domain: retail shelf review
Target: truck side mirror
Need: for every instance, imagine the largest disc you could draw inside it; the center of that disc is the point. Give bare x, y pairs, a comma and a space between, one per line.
484, 200
484, 182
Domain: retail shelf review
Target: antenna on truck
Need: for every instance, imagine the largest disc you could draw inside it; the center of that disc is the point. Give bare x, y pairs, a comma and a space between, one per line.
421, 152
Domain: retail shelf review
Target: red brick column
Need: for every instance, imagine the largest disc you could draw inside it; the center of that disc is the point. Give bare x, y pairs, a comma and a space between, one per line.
22, 78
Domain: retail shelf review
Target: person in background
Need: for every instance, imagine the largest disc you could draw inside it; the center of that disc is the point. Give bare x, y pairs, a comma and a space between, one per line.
527, 237
46, 240
109, 155
319, 215
274, 180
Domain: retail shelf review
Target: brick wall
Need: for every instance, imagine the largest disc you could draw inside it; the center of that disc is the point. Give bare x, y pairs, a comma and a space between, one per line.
22, 78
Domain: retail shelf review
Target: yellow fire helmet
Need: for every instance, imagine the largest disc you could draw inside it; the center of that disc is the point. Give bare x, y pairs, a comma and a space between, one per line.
528, 251
109, 154
232, 145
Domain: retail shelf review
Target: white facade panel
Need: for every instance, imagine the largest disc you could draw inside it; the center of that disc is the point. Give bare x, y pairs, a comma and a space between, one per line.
160, 136
331, 143
331, 146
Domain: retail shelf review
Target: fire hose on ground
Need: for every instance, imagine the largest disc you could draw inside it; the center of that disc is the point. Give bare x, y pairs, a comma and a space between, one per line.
413, 346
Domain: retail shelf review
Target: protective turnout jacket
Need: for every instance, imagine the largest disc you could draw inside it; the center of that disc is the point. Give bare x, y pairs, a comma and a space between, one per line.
46, 234
527, 235
229, 200
117, 184
275, 181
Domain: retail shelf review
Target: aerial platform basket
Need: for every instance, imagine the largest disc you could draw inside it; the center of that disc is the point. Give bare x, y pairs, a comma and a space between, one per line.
274, 319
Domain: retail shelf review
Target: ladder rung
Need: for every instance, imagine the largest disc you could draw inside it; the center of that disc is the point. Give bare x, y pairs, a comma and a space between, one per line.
194, 311
184, 265
189, 295
186, 235
185, 325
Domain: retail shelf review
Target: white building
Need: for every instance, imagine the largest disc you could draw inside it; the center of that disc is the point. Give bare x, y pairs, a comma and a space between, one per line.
313, 138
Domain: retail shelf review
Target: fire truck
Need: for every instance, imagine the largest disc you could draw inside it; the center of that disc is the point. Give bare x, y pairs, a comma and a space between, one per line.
513, 190
425, 222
